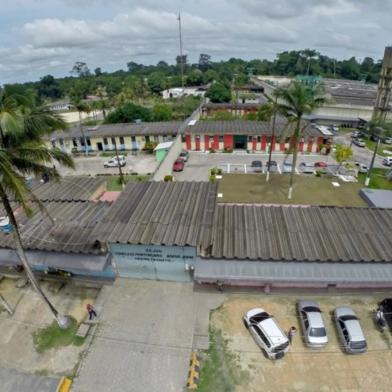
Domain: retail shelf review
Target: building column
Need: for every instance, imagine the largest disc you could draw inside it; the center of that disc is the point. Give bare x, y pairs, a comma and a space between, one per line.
228, 142
263, 142
320, 141
188, 142
206, 142
216, 142
310, 144
273, 143
282, 144
254, 143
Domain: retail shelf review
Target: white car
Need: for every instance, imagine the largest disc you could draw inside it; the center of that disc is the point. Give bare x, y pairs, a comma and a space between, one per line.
266, 333
387, 161
362, 168
114, 162
313, 327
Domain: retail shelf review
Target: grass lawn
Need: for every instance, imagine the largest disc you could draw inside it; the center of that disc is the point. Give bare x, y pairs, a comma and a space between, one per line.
377, 179
220, 371
370, 144
53, 336
308, 190
114, 185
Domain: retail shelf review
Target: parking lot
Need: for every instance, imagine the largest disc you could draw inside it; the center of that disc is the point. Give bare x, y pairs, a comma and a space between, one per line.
93, 165
303, 369
196, 169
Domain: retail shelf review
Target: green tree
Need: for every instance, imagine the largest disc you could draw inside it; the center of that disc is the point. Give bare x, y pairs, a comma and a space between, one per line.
195, 78
48, 88
129, 112
22, 153
218, 93
157, 82
295, 101
342, 154
161, 112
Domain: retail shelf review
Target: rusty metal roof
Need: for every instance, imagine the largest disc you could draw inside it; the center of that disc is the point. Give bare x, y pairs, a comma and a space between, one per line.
302, 233
159, 213
69, 231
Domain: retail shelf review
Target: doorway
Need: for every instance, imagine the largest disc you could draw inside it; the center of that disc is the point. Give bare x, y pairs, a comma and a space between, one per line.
99, 146
240, 142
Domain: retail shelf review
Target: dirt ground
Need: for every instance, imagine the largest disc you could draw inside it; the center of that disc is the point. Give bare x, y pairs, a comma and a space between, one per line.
304, 369
30, 314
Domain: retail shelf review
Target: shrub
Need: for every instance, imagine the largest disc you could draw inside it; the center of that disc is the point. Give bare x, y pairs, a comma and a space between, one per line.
213, 171
228, 150
212, 178
318, 173
212, 151
219, 171
168, 178
149, 147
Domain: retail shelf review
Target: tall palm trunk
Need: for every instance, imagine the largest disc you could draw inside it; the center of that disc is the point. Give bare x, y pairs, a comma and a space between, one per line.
295, 153
62, 321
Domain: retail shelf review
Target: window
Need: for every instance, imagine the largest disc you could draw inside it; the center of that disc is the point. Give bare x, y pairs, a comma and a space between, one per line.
156, 139
113, 141
82, 141
258, 139
147, 139
105, 141
220, 139
88, 141
306, 322
250, 138
61, 142
122, 140
133, 139
211, 139
262, 336
74, 142
164, 138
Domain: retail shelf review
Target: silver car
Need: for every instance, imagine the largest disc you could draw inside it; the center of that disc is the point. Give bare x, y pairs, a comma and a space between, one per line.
313, 327
349, 330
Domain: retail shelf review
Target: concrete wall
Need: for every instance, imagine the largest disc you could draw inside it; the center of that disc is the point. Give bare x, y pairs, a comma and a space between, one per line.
166, 166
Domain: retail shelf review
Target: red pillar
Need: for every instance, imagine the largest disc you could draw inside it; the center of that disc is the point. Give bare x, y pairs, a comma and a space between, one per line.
206, 142
282, 144
320, 141
188, 142
273, 143
228, 142
254, 143
197, 143
310, 144
216, 142
263, 142
301, 145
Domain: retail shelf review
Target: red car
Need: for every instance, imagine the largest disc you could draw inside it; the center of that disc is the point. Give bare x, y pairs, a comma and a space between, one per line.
178, 165
320, 164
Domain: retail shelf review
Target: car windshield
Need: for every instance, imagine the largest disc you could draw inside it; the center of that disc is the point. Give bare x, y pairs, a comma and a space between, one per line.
317, 332
260, 317
308, 309
358, 345
348, 317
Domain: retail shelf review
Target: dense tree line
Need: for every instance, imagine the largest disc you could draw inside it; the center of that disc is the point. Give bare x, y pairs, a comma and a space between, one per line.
141, 81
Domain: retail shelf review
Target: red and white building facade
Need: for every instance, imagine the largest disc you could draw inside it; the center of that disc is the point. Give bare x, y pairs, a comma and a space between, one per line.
252, 136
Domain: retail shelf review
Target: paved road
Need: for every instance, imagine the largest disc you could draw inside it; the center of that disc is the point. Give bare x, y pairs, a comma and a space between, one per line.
14, 381
144, 343
360, 154
141, 164
196, 169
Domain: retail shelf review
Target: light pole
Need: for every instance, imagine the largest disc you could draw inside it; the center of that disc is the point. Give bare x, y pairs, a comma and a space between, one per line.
367, 180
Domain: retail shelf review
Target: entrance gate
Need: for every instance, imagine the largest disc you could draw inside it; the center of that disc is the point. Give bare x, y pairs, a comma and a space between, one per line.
240, 142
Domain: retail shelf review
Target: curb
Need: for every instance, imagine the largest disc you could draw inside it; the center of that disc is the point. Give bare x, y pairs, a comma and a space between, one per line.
64, 385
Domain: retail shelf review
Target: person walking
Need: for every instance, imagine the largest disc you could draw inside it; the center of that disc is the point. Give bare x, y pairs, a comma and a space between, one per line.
91, 312
291, 334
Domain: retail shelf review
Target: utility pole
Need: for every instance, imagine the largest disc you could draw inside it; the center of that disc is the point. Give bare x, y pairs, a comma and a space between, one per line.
119, 165
181, 54
272, 138
367, 181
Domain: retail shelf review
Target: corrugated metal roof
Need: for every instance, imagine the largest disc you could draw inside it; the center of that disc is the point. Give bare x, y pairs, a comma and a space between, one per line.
69, 189
247, 127
302, 233
159, 213
124, 129
71, 231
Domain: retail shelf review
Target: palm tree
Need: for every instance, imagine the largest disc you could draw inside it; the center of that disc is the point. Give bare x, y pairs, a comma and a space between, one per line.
269, 112
297, 100
22, 153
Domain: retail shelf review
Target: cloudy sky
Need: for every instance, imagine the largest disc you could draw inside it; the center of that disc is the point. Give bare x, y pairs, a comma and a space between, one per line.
38, 37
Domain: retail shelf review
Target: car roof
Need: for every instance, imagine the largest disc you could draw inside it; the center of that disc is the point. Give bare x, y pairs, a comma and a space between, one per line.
271, 328
354, 330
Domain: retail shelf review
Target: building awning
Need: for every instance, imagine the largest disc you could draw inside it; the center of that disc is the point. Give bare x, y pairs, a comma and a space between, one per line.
163, 146
207, 270
64, 261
